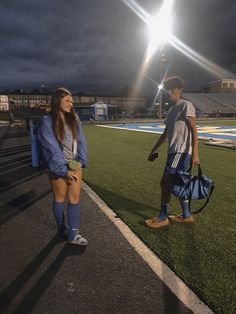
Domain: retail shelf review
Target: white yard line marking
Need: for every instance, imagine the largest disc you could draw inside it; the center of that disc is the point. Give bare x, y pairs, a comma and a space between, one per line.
221, 133
216, 129
175, 284
127, 129
208, 135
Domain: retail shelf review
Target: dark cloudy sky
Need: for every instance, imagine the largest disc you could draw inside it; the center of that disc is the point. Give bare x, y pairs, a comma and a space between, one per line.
99, 45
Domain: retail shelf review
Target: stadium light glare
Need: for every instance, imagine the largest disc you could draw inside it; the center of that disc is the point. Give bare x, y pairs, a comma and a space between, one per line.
202, 61
160, 27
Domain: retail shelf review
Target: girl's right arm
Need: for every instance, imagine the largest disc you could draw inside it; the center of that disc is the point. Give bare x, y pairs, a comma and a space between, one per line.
51, 149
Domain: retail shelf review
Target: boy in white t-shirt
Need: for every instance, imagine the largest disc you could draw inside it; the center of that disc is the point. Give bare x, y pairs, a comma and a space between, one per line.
182, 153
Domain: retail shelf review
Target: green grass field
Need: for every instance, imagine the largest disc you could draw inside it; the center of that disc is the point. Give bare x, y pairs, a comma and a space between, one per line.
202, 254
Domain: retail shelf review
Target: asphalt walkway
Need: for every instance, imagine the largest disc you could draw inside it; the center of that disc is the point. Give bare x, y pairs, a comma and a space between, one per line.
42, 274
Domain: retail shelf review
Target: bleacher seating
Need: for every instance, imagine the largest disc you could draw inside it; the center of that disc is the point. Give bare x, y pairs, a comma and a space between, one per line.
208, 102
227, 99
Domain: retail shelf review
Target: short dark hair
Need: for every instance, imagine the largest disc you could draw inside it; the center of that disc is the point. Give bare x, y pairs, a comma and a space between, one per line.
173, 82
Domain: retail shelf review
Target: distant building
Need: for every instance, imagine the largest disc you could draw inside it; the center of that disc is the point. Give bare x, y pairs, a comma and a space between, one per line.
125, 103
223, 86
19, 100
4, 103
23, 100
38, 100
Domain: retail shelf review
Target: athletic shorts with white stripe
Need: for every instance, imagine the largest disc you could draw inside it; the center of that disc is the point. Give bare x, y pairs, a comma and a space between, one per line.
177, 162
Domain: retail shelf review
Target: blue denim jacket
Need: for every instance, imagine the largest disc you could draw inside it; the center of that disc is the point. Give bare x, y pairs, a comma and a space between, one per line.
52, 157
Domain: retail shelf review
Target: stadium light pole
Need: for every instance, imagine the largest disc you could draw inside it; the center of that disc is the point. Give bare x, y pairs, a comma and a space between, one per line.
162, 75
160, 27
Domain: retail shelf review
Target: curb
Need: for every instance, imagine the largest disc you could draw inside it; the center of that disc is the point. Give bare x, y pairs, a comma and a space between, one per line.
174, 283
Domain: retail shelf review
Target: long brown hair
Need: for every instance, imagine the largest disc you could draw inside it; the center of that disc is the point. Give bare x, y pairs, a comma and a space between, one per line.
71, 118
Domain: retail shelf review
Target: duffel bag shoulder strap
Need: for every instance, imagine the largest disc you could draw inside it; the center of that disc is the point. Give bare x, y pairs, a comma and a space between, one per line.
205, 204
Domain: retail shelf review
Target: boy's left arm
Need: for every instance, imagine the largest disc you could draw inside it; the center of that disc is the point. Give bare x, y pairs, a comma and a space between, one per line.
193, 129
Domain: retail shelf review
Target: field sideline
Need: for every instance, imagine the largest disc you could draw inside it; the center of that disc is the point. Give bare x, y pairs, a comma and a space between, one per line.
220, 133
203, 254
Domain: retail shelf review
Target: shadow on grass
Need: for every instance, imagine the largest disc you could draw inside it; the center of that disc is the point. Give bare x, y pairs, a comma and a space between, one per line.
184, 258
160, 240
121, 204
35, 293
192, 258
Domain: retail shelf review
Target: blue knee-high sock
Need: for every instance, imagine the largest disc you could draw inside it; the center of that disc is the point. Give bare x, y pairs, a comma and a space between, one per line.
164, 212
58, 211
73, 219
185, 208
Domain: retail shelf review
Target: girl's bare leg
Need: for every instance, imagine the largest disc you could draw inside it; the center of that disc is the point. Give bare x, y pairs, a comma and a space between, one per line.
73, 205
59, 188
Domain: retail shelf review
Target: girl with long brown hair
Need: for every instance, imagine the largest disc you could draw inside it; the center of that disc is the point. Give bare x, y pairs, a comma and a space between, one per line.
64, 154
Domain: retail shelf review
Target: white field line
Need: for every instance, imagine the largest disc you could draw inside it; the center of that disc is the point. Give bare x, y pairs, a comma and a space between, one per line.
213, 130
175, 284
211, 136
220, 133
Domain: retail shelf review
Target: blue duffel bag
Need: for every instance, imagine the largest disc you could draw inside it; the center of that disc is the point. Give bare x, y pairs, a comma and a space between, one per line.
192, 187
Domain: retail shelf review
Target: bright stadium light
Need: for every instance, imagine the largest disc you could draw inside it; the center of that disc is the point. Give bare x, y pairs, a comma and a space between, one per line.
160, 27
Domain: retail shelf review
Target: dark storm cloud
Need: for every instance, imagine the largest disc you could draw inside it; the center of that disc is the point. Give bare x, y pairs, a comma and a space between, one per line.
58, 42
82, 43
208, 26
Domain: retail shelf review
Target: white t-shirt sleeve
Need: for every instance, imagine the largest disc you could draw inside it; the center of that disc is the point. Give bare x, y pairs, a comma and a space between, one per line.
190, 110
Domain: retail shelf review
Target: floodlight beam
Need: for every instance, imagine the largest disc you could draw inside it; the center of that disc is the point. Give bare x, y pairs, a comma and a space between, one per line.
160, 27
